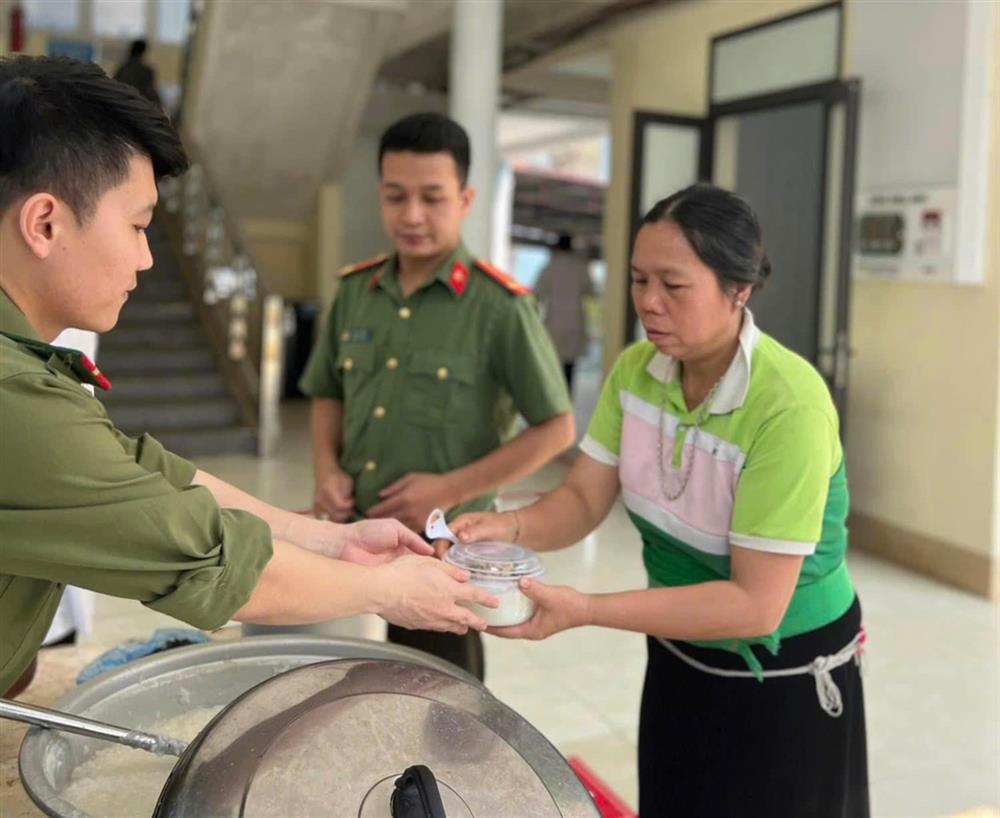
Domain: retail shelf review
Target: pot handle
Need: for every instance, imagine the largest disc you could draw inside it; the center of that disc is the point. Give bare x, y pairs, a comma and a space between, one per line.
416, 795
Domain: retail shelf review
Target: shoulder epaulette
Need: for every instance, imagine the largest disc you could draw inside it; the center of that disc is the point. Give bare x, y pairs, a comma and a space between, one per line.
361, 266
512, 285
84, 368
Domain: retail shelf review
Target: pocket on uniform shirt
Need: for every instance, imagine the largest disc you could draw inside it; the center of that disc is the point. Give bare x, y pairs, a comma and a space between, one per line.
437, 386
356, 364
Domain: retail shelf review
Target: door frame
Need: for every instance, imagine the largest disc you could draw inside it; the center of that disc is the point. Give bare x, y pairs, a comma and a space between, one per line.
829, 94
641, 119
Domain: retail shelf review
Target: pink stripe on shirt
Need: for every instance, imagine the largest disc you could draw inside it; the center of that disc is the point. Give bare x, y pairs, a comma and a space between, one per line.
707, 502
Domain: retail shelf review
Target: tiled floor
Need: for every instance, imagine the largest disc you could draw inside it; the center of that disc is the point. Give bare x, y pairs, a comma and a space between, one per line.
932, 683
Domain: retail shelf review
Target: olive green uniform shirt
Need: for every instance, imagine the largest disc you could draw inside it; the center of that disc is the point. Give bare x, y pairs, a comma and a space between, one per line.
433, 381
82, 504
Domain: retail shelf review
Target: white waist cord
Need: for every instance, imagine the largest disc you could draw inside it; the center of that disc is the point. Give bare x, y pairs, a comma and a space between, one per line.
820, 669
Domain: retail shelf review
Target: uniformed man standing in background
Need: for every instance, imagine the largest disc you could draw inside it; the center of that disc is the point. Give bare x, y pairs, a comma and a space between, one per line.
424, 362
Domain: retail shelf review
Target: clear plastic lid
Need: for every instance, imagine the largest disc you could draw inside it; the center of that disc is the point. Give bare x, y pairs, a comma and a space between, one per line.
495, 560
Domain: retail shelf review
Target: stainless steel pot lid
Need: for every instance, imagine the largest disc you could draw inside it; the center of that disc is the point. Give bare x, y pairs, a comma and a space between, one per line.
332, 739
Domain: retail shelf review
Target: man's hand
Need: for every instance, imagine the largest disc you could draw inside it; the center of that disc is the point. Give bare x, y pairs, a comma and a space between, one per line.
334, 496
412, 498
425, 594
558, 608
375, 542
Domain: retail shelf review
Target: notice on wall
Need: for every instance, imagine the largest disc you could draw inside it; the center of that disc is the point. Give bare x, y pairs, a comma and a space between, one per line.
906, 234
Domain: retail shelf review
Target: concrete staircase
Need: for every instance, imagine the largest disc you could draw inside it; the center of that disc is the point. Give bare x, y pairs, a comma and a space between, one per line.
163, 371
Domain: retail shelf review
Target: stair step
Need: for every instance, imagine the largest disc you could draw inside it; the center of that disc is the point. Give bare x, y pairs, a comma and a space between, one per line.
194, 443
168, 288
148, 361
155, 336
178, 386
145, 312
139, 414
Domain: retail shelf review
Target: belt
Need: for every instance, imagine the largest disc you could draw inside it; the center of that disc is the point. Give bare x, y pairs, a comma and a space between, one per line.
819, 668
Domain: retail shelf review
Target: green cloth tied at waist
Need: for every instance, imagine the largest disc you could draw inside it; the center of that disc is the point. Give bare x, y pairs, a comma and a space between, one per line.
815, 603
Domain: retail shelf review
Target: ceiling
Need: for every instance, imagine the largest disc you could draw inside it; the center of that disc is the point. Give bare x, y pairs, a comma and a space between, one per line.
248, 91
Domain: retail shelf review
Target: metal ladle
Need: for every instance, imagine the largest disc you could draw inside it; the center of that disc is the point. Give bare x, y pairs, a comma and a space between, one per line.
55, 720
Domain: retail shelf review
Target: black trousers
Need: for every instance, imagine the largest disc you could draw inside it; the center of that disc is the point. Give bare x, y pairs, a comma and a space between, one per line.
714, 747
466, 651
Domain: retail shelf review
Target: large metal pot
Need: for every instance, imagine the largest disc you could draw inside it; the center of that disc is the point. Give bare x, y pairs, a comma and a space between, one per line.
340, 739
390, 732
172, 683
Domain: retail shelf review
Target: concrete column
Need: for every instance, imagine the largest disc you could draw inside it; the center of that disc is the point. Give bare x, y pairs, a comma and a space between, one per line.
329, 241
474, 96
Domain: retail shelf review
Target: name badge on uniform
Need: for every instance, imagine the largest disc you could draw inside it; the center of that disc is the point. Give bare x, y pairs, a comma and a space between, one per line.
356, 335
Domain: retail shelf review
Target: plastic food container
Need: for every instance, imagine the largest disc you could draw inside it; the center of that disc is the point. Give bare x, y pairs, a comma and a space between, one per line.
496, 567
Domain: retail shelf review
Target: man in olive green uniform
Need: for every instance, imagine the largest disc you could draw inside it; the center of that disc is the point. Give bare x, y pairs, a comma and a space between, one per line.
424, 362
82, 503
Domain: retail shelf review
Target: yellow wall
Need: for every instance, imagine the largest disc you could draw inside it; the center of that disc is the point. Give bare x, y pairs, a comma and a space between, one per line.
300, 259
283, 251
923, 416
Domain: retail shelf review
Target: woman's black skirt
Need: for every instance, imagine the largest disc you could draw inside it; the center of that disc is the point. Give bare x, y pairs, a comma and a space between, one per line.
714, 747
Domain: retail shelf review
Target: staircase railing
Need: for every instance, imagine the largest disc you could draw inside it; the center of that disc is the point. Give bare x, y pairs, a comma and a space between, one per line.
241, 314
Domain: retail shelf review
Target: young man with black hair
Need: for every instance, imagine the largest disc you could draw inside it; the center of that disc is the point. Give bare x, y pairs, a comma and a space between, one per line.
80, 502
425, 359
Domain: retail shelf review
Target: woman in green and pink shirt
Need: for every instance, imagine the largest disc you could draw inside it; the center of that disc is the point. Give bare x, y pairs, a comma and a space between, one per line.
724, 447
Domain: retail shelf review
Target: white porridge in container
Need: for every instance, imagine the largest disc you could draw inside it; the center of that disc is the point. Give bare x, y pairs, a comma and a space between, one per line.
496, 567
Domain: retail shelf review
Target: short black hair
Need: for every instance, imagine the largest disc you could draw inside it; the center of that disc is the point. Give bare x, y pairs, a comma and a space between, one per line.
137, 49
68, 129
722, 229
428, 133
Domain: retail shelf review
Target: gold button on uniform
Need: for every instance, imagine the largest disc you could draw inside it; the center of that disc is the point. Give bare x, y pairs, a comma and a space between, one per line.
348, 363
370, 465
379, 412
404, 312
442, 373
392, 363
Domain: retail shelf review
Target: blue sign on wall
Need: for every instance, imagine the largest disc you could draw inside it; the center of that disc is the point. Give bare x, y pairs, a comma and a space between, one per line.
74, 49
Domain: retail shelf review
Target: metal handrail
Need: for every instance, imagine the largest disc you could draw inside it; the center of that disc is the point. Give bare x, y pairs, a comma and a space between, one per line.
241, 314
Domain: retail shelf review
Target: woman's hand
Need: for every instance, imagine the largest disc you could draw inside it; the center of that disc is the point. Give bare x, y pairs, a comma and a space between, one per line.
485, 525
558, 608
425, 594
369, 542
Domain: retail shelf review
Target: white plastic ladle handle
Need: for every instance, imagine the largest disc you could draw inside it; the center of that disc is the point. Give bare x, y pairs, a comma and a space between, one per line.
437, 527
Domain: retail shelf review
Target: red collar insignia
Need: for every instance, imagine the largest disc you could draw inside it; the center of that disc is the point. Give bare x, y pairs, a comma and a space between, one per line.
459, 277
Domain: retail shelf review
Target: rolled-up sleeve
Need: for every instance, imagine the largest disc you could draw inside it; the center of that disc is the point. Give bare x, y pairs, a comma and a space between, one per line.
149, 453
116, 515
